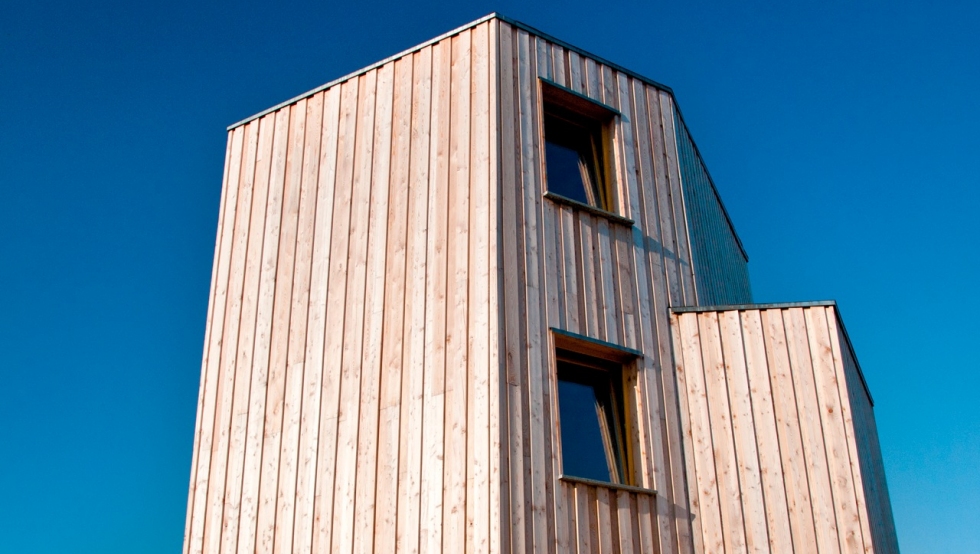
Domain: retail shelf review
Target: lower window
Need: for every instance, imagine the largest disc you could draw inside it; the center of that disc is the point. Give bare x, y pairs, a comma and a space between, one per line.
593, 416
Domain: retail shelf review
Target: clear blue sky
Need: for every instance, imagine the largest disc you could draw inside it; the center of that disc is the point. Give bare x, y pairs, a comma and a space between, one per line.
842, 135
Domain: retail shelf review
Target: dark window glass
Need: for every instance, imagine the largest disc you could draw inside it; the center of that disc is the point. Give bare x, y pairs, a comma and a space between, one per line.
592, 421
574, 157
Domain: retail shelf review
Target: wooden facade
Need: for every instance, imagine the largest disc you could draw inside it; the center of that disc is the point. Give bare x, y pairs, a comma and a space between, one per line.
391, 277
784, 454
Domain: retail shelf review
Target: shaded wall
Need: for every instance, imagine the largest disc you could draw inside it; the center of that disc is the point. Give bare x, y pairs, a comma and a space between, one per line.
567, 267
720, 263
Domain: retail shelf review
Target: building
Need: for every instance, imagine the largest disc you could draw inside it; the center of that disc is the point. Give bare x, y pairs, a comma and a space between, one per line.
483, 296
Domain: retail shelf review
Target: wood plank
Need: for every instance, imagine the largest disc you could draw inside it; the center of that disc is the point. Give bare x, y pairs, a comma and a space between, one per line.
743, 429
246, 341
229, 346
306, 159
286, 178
313, 377
606, 285
683, 250
686, 416
847, 413
211, 385
229, 448
788, 431
270, 168
541, 53
410, 434
498, 536
287, 375
590, 283
576, 72
457, 301
516, 525
626, 518
435, 301
604, 520
258, 150
726, 470
668, 467
835, 438
333, 350
534, 308
478, 453
568, 249
709, 503
821, 494
386, 504
374, 315
767, 441
207, 342
349, 408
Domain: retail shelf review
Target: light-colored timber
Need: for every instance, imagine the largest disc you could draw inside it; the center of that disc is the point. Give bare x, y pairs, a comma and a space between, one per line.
392, 278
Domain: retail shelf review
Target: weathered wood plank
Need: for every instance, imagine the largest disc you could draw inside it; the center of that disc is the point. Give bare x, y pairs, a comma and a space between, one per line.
410, 434
306, 478
211, 392
305, 158
497, 483
743, 429
821, 495
287, 174
433, 410
726, 470
389, 421
366, 468
517, 526
835, 438
457, 300
790, 441
243, 363
207, 341
847, 413
333, 350
767, 441
478, 452
697, 397
229, 346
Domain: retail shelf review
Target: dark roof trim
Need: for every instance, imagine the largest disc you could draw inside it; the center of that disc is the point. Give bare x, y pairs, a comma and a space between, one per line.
432, 41
714, 188
771, 306
784, 305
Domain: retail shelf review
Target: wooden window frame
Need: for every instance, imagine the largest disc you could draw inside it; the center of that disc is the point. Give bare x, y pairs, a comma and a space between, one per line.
580, 110
615, 367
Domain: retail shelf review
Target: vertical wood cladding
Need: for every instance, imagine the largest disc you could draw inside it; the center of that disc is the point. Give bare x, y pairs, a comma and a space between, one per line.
781, 434
573, 269
720, 263
379, 367
347, 392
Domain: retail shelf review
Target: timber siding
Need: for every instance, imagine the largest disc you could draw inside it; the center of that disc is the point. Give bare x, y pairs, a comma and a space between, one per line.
781, 449
391, 277
347, 390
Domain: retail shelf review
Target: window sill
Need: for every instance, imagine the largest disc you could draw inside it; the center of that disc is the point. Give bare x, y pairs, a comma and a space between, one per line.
614, 486
557, 198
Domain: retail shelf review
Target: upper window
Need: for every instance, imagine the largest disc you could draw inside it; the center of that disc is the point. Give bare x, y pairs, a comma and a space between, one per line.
577, 153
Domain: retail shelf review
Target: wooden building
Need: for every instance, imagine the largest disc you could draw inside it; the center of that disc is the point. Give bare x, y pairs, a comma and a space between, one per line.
483, 296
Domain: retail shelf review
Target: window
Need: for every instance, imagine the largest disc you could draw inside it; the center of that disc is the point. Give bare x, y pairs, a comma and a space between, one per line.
577, 154
593, 421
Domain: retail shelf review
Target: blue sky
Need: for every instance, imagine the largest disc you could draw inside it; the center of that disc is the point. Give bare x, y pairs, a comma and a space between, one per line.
842, 136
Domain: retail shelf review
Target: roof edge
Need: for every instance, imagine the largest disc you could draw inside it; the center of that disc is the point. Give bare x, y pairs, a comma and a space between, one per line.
430, 42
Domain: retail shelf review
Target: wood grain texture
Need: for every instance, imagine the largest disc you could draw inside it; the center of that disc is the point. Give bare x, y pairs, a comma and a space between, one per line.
798, 490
